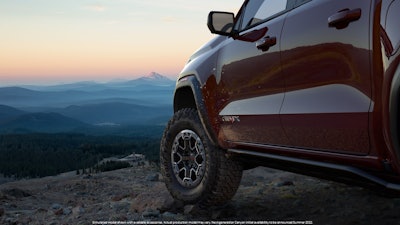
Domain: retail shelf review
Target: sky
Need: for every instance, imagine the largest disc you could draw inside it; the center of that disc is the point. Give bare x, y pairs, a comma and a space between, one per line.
59, 41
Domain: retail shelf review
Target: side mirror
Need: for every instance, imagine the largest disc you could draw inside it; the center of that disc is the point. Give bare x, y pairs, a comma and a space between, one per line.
221, 23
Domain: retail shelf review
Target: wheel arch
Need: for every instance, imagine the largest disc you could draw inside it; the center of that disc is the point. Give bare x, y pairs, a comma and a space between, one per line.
184, 98
188, 94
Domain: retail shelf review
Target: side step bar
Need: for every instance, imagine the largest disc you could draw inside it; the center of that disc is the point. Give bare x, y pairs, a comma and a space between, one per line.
281, 162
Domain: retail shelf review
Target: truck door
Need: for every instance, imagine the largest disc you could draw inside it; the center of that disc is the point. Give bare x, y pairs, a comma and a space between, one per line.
250, 75
326, 62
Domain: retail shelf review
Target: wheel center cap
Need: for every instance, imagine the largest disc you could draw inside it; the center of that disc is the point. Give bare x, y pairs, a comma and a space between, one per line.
190, 158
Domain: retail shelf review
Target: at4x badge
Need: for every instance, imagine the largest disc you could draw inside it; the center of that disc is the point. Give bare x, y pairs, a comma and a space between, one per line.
231, 119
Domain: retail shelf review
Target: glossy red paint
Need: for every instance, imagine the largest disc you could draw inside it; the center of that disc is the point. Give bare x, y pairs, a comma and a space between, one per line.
327, 75
254, 86
327, 89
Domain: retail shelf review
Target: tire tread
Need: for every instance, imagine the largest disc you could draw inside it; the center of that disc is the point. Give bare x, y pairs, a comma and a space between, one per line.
225, 173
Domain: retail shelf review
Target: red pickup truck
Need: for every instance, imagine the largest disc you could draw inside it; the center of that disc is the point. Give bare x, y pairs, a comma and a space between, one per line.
308, 86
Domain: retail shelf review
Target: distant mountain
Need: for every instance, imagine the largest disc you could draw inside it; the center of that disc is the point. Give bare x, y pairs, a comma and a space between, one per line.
117, 113
154, 78
62, 87
41, 122
7, 112
59, 108
141, 91
18, 97
16, 93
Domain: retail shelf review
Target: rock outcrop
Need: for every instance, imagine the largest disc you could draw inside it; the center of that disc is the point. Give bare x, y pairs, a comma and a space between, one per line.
139, 194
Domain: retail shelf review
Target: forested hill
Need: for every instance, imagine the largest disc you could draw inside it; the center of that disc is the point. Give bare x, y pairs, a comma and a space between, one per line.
46, 130
39, 155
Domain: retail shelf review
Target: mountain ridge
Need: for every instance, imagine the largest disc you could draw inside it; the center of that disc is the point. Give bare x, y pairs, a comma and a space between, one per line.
143, 101
7, 113
151, 79
41, 122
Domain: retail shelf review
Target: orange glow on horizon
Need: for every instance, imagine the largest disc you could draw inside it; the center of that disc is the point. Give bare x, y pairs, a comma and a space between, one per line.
90, 63
71, 40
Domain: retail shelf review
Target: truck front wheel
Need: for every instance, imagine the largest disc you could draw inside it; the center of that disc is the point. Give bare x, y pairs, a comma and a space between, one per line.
195, 170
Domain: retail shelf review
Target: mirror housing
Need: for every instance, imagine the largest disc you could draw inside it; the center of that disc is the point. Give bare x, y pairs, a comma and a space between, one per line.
221, 23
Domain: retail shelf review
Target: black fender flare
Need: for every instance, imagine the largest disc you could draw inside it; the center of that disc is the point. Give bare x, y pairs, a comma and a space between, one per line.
193, 83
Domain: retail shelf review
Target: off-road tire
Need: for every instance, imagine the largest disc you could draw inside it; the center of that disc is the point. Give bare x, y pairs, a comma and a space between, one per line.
218, 176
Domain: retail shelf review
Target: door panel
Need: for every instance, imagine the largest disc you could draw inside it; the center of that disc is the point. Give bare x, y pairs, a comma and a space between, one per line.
326, 65
251, 78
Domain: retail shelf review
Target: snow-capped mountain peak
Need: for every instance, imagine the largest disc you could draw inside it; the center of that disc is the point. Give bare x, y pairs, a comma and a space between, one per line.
155, 76
154, 79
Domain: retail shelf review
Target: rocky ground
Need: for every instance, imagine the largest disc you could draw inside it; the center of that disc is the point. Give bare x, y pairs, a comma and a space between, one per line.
138, 194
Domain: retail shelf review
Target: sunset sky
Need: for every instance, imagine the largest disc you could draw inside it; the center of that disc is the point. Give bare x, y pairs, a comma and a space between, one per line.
58, 41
